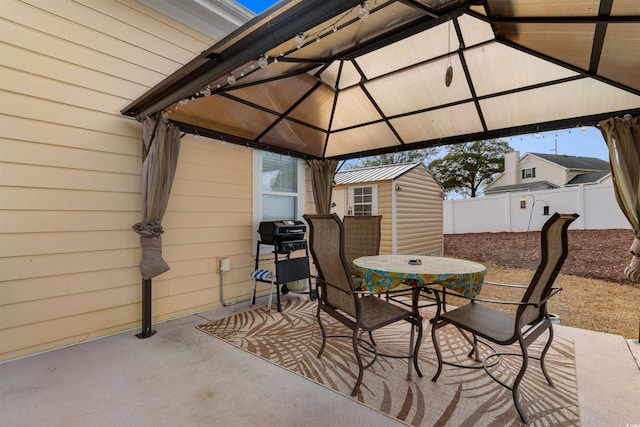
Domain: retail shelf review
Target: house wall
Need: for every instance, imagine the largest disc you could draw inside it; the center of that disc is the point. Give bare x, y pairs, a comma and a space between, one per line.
70, 177
545, 171
512, 172
418, 214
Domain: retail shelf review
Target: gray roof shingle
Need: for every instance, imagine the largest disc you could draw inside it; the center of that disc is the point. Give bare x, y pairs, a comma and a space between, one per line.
519, 187
575, 162
587, 178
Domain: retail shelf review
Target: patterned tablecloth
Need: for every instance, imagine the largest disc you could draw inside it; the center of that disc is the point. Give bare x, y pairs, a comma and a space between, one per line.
385, 272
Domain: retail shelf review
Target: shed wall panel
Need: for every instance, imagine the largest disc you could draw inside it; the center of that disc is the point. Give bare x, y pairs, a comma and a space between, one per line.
385, 208
419, 214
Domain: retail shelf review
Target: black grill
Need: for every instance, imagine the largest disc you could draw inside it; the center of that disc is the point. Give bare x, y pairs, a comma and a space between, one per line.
285, 236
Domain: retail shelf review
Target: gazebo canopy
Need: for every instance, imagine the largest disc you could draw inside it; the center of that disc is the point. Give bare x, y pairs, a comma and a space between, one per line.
345, 79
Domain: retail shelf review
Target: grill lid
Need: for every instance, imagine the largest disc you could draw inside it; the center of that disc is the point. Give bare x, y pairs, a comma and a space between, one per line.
272, 232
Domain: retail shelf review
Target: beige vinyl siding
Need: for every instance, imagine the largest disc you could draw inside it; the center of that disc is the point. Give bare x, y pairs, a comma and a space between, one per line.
545, 171
418, 214
209, 217
416, 218
385, 208
502, 180
70, 177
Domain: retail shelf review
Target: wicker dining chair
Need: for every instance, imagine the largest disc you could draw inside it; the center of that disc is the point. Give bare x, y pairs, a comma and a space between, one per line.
530, 320
362, 237
339, 298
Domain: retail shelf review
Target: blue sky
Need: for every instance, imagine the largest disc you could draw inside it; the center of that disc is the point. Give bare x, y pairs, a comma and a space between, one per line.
256, 6
573, 142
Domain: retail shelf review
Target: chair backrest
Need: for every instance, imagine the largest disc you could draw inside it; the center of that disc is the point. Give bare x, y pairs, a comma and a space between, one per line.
362, 236
327, 241
554, 250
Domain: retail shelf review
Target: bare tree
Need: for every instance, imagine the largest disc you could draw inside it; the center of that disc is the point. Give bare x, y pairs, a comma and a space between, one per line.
421, 155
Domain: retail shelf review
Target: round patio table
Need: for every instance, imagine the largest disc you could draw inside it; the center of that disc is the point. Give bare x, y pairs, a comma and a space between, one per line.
382, 273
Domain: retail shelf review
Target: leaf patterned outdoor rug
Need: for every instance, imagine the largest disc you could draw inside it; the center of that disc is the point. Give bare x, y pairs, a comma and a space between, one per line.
292, 338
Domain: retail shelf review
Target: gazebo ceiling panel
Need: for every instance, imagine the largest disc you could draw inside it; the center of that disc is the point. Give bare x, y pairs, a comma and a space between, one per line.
357, 87
569, 42
420, 87
322, 41
353, 107
518, 68
271, 95
625, 8
535, 8
291, 136
436, 124
474, 31
620, 58
226, 115
349, 74
409, 51
316, 108
371, 137
573, 99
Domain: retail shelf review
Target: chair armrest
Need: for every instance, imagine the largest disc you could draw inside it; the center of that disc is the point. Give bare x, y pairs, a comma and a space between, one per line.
554, 291
544, 300
505, 285
352, 292
474, 299
364, 293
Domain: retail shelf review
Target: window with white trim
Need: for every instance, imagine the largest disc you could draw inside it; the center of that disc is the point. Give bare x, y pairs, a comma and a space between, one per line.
278, 187
363, 200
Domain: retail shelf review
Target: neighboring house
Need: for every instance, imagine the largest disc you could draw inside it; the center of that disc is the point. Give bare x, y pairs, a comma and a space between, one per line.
538, 171
408, 198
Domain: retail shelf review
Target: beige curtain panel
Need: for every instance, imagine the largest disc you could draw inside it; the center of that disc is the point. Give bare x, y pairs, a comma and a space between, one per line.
160, 150
623, 139
322, 173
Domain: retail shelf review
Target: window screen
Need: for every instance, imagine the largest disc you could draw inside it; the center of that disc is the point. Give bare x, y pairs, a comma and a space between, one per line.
279, 186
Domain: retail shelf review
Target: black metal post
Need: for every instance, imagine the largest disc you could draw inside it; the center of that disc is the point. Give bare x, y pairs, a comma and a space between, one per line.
146, 310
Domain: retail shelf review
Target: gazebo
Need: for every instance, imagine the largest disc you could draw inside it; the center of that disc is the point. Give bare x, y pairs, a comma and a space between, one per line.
329, 80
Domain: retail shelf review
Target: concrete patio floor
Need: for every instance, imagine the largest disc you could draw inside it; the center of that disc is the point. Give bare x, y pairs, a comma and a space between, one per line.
182, 377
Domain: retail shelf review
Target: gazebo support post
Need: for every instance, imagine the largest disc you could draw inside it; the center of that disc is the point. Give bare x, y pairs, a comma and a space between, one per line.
146, 310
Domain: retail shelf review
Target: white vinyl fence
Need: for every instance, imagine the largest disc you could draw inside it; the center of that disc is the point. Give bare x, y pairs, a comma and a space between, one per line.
596, 205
